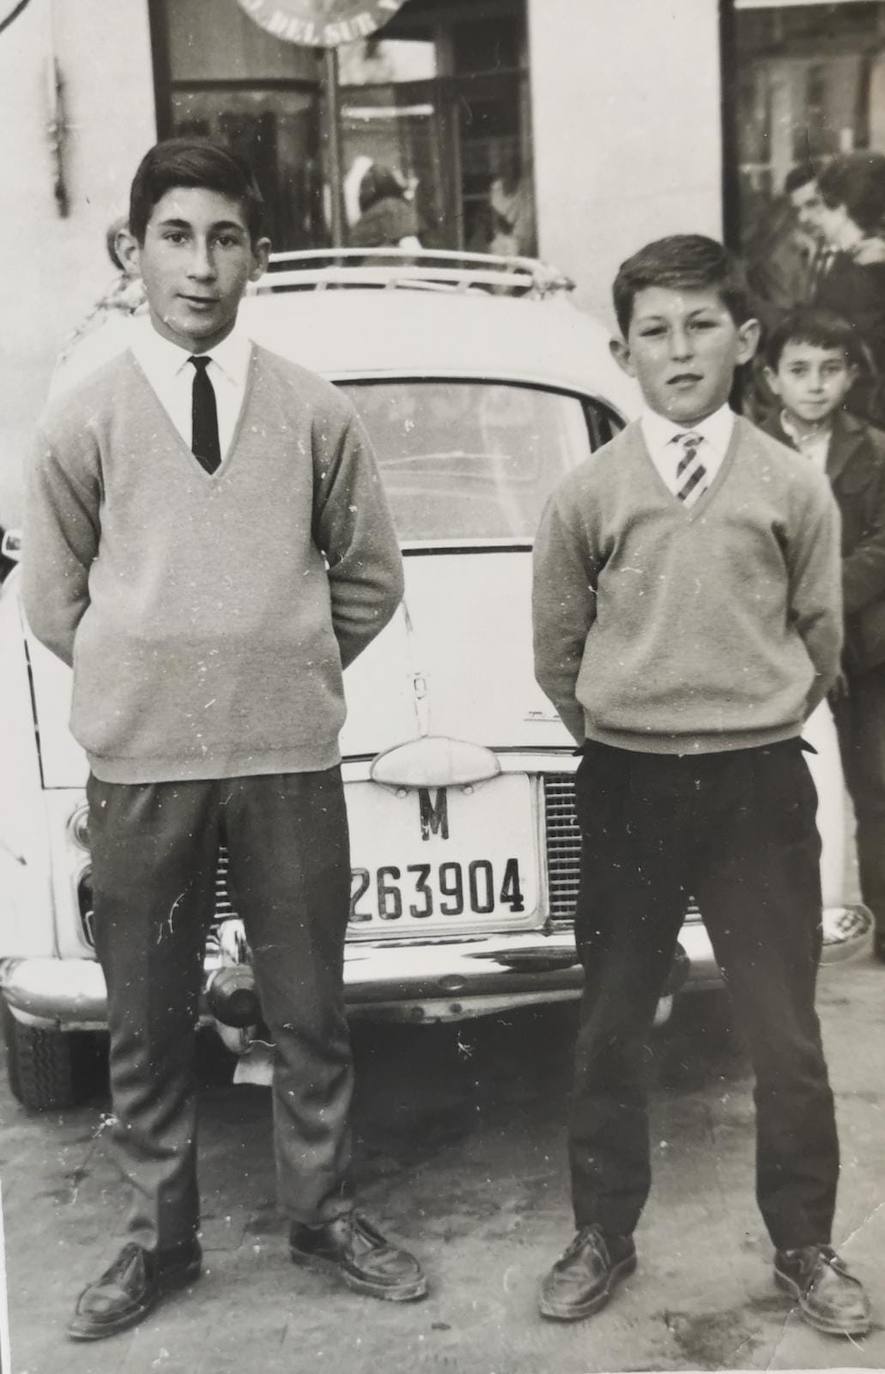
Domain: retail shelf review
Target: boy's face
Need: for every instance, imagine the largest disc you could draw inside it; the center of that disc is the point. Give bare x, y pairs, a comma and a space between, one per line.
811, 381
683, 348
196, 261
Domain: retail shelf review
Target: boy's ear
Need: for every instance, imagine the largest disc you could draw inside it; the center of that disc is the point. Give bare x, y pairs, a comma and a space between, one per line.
748, 340
127, 250
260, 256
620, 351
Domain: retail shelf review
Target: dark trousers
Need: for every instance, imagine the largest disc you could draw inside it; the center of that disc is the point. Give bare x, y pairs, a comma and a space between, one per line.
736, 830
860, 724
154, 853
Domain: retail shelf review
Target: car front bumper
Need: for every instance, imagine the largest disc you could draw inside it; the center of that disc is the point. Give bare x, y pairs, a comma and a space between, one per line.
444, 980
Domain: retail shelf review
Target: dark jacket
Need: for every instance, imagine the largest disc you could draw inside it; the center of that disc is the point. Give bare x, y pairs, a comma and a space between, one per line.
856, 290
856, 469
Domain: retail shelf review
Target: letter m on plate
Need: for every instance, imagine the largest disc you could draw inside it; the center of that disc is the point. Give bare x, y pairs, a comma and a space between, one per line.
434, 813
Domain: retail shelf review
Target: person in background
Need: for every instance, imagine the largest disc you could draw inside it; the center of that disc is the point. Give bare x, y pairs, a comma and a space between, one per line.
504, 223
852, 217
786, 257
800, 186
387, 217
513, 211
687, 620
219, 723
123, 298
106, 329
813, 358
783, 253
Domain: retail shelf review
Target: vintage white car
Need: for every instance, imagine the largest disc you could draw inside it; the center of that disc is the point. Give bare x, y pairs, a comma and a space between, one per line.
481, 385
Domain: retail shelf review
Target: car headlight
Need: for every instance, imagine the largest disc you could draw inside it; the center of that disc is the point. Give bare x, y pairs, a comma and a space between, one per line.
78, 826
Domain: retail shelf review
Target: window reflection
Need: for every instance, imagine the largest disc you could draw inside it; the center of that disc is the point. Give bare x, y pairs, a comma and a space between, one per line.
277, 132
811, 82
438, 99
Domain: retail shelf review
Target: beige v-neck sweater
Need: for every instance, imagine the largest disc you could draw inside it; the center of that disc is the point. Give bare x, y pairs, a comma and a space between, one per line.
669, 630
207, 617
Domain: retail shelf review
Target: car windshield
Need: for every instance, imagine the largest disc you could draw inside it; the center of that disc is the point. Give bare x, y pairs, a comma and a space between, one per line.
472, 460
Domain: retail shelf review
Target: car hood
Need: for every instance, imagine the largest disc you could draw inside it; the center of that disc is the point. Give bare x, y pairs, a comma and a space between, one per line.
456, 660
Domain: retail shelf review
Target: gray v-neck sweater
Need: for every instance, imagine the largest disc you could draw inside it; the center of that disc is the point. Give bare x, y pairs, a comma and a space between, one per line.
207, 617
675, 631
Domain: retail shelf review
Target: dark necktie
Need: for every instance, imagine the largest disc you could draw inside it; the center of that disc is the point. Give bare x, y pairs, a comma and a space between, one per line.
820, 268
204, 417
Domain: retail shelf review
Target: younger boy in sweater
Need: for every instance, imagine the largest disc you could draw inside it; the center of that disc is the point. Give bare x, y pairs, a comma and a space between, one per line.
687, 619
208, 545
813, 358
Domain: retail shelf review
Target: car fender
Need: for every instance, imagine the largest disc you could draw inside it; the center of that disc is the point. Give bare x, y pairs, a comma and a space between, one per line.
26, 907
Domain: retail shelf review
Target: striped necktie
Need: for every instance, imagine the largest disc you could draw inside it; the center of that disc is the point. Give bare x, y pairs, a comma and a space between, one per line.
690, 471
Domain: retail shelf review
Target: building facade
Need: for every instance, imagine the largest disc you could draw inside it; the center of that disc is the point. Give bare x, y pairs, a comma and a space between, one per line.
575, 130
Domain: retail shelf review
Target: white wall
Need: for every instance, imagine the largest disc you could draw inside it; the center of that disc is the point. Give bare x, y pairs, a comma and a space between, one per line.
52, 269
626, 122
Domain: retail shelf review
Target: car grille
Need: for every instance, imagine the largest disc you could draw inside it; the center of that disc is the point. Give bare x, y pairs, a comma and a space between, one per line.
564, 850
224, 907
563, 845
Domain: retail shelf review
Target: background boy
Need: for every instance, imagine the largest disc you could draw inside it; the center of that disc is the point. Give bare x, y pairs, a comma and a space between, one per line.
207, 542
813, 358
687, 619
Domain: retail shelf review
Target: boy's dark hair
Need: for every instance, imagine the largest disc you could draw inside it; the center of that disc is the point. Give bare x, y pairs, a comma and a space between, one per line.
800, 175
683, 262
856, 181
196, 162
811, 324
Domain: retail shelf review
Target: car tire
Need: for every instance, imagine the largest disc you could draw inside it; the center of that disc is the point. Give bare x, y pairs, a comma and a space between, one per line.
48, 1069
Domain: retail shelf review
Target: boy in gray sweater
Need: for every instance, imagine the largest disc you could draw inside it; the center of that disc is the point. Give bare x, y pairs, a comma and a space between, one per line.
687, 619
208, 544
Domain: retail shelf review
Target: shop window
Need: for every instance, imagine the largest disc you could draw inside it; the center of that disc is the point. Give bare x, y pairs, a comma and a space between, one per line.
457, 133
439, 97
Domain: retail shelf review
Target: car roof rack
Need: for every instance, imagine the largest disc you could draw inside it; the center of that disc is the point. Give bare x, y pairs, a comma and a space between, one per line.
423, 269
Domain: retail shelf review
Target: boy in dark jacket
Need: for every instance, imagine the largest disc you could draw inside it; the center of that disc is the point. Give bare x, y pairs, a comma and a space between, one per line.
813, 358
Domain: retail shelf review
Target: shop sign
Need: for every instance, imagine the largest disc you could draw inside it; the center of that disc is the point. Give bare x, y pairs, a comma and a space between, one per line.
321, 23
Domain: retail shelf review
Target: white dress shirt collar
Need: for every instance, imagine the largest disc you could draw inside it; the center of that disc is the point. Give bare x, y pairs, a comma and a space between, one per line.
166, 367
815, 445
159, 357
716, 430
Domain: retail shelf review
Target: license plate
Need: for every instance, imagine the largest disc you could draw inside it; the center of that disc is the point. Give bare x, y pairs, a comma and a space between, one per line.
442, 858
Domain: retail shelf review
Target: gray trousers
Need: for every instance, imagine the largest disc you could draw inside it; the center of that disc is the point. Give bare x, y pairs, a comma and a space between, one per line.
154, 852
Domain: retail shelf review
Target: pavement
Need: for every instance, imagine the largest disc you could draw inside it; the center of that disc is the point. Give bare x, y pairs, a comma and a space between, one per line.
460, 1153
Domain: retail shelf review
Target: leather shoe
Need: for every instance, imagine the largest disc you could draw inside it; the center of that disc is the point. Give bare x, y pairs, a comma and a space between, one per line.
131, 1287
829, 1297
351, 1247
582, 1279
